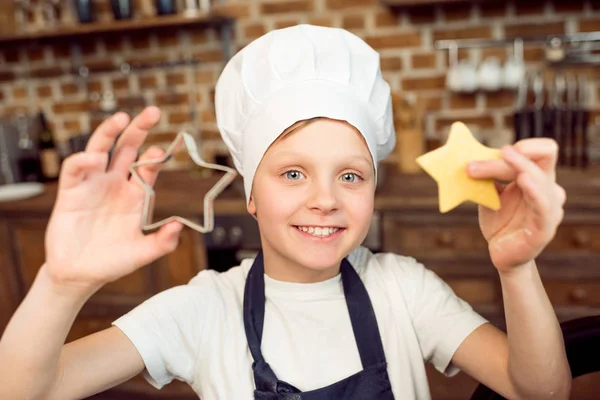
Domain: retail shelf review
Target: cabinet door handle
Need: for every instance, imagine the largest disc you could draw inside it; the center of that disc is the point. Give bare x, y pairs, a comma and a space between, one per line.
581, 238
445, 239
579, 294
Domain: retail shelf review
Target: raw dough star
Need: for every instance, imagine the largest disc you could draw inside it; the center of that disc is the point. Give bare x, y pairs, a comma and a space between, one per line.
447, 165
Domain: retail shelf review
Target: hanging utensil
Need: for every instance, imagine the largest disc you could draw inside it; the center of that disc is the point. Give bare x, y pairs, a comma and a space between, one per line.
569, 131
559, 115
581, 127
522, 116
538, 107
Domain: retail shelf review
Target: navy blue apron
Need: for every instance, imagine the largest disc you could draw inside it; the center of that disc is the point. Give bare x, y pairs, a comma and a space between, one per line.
371, 383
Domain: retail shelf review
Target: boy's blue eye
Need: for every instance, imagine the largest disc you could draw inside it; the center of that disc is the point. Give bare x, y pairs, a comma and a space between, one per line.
350, 177
293, 175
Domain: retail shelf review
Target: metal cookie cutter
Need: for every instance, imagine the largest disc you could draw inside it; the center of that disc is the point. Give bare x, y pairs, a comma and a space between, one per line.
209, 197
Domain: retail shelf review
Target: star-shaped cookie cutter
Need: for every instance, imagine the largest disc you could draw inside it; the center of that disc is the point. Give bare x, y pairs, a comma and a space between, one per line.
192, 149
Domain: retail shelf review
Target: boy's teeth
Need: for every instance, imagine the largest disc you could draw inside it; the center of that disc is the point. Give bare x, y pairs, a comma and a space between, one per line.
318, 231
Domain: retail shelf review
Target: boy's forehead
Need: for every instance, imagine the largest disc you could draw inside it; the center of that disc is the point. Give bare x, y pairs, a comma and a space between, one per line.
302, 135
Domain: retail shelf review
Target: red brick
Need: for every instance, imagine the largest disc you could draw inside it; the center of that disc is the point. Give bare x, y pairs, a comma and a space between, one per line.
351, 22
179, 118
567, 6
398, 40
277, 7
254, 31
457, 12
19, 93
477, 32
339, 4
11, 55
235, 10
139, 42
438, 82
208, 116
529, 7
423, 60
421, 15
205, 76
215, 55
163, 99
120, 83
589, 25
148, 81
284, 23
493, 9
386, 18
35, 54
61, 50
462, 101
71, 107
433, 103
155, 137
94, 86
72, 125
199, 36
46, 72
44, 91
391, 63
485, 121
175, 78
68, 89
533, 54
320, 20
115, 46
534, 29
504, 98
210, 134
168, 39
6, 76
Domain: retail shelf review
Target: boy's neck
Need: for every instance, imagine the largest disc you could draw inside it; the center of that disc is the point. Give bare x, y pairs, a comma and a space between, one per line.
285, 270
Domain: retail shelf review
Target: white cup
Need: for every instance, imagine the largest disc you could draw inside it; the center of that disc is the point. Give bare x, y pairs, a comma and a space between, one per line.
513, 74
490, 74
468, 76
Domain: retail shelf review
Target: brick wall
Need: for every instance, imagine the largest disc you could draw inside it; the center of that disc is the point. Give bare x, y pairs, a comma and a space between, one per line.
405, 40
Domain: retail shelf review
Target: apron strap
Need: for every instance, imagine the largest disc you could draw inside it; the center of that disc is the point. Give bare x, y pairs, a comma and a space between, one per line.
362, 317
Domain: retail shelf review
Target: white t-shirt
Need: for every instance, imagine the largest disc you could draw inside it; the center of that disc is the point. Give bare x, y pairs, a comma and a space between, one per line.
195, 332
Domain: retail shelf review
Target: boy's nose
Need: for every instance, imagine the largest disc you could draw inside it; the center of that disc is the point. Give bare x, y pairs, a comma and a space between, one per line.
323, 197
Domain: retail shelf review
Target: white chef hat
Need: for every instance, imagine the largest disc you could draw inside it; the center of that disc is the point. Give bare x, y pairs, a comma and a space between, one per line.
298, 73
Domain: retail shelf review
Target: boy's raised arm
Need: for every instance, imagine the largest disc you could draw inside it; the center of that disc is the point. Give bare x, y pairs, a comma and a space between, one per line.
93, 238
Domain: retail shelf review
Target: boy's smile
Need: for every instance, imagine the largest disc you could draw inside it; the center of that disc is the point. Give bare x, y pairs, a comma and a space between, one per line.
313, 196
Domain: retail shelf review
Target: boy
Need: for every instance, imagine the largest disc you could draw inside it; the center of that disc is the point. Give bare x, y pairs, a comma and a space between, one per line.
307, 117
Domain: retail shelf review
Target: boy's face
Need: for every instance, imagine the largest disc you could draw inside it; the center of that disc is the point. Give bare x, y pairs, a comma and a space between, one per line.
313, 196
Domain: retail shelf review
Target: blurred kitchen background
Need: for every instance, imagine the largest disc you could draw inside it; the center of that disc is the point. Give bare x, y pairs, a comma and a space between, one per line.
509, 70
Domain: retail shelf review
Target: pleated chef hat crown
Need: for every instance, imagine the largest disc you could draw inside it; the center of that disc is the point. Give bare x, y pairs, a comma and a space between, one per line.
298, 73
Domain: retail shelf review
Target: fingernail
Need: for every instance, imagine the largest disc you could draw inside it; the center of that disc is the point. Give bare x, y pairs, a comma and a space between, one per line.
473, 167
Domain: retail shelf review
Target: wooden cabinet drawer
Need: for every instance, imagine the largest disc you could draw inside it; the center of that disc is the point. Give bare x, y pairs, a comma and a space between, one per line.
573, 293
476, 291
576, 237
423, 235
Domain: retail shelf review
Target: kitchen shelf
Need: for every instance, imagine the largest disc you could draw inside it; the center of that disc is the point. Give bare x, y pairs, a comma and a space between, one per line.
214, 19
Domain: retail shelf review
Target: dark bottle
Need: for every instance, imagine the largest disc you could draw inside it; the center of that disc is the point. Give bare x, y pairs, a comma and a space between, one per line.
49, 158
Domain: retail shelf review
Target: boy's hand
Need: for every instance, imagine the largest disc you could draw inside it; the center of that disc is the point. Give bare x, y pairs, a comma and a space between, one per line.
94, 235
531, 203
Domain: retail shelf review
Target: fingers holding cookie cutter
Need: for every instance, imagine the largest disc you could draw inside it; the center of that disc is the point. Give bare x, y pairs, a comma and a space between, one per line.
149, 194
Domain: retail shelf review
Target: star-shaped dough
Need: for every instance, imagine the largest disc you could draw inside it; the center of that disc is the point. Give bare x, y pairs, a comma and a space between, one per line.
447, 165
209, 197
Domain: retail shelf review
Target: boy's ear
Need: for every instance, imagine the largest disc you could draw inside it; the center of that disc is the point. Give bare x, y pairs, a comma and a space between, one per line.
251, 206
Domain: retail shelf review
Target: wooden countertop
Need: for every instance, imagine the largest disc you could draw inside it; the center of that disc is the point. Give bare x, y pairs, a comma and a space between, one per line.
181, 191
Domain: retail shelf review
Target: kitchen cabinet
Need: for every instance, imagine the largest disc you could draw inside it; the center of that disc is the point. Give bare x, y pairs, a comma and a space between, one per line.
409, 223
